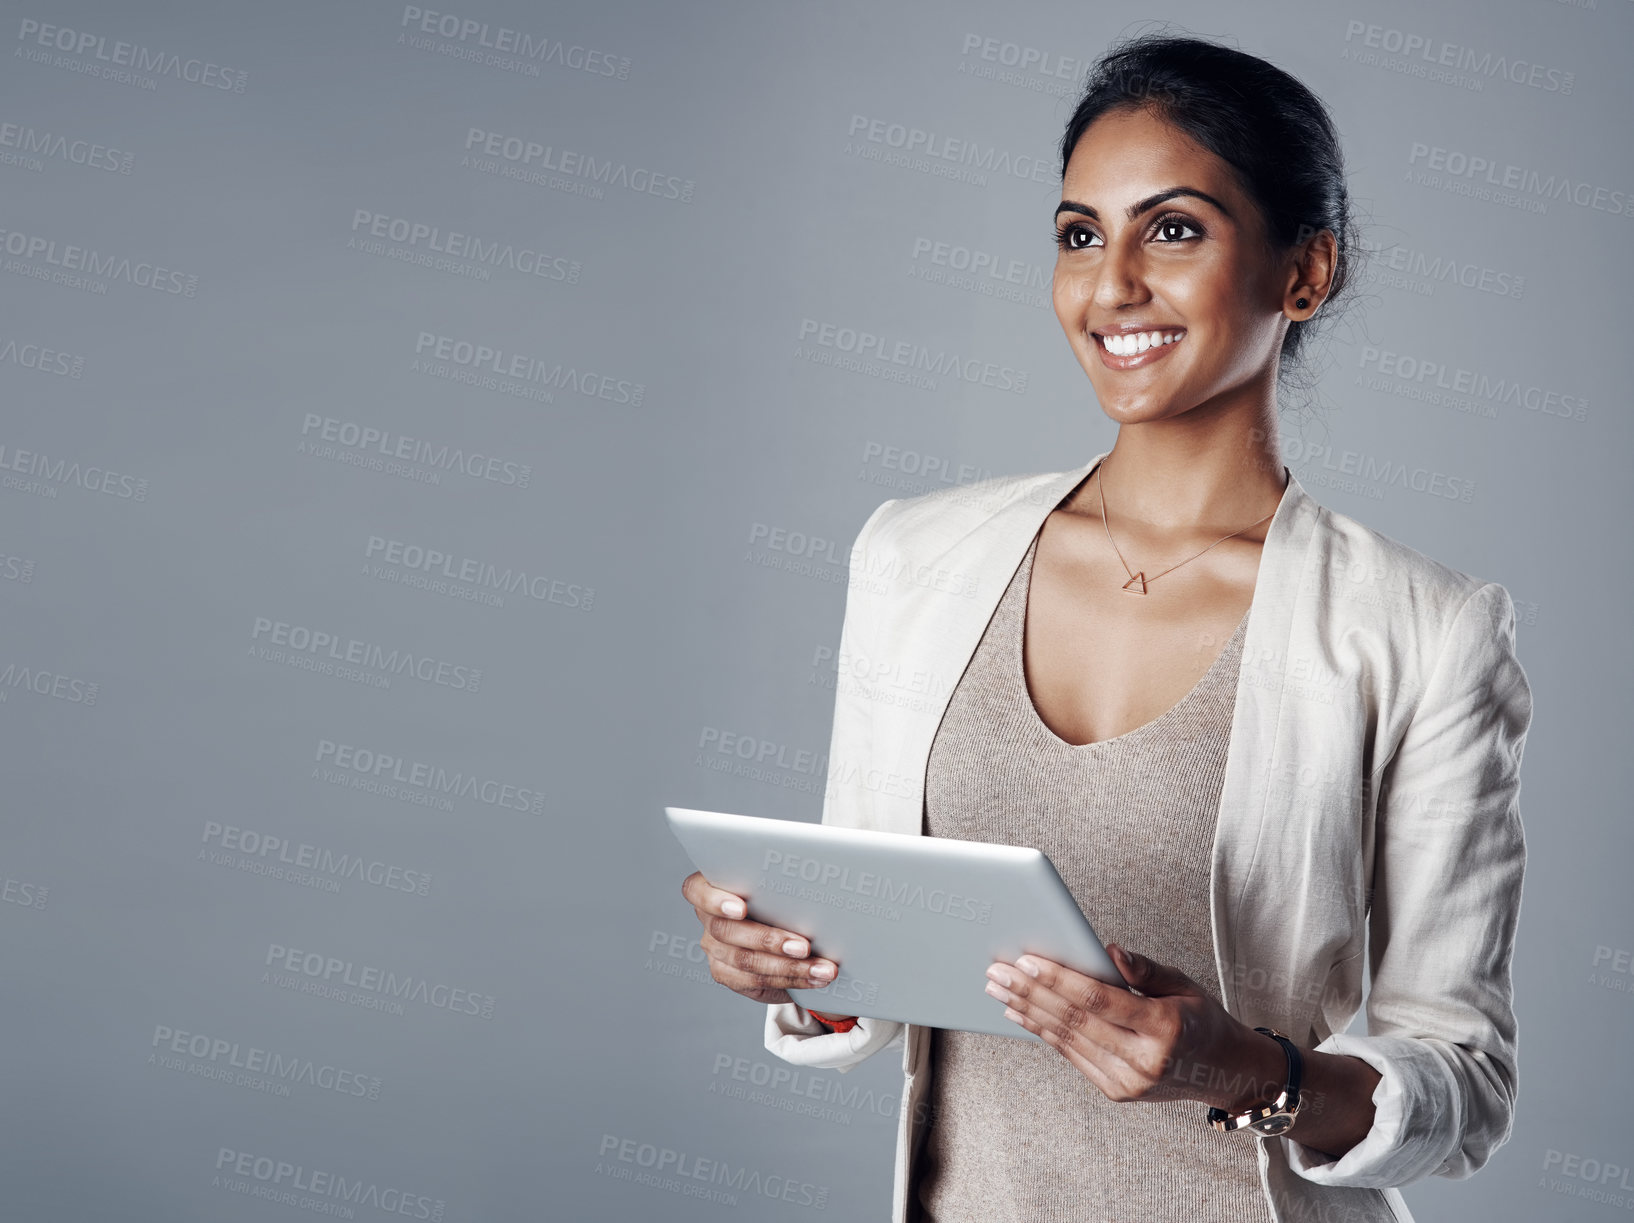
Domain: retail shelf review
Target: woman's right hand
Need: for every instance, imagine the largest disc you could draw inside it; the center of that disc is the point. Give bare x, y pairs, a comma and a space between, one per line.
758, 961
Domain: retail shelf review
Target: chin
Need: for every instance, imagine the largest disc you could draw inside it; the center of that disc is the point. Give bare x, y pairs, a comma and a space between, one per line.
1128, 409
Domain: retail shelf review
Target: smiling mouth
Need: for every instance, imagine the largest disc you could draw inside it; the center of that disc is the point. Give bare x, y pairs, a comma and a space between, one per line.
1138, 349
1136, 342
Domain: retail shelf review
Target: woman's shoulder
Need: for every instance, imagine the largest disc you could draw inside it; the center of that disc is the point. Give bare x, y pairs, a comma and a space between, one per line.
1412, 629
1360, 565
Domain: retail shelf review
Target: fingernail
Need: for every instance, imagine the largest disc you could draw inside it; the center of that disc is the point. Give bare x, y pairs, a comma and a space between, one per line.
822, 971
795, 947
1030, 967
997, 973
732, 908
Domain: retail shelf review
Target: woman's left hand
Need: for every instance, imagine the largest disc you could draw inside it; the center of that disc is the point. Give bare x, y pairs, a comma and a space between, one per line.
1172, 1041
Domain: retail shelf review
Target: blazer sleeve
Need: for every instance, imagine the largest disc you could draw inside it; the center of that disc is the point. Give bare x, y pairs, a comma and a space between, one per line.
1449, 856
792, 1033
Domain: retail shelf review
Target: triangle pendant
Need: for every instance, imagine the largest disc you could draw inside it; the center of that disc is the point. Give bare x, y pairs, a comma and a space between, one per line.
1131, 586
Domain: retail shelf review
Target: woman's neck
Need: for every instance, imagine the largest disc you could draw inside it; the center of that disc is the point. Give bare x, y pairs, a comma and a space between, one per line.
1171, 483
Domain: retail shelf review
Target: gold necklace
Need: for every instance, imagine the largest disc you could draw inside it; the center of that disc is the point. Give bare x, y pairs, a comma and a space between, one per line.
1141, 578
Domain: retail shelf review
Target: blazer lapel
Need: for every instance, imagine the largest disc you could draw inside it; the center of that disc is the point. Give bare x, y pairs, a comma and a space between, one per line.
1285, 580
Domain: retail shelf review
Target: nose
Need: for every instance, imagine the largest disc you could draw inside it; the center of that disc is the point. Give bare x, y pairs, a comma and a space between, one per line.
1118, 278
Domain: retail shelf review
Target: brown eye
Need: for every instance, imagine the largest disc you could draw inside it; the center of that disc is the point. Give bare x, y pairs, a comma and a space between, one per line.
1167, 224
1067, 237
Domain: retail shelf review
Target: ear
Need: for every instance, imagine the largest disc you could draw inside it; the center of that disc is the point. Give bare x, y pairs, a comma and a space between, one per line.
1315, 261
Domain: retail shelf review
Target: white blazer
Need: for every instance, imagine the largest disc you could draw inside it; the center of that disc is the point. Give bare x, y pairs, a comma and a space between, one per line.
1370, 803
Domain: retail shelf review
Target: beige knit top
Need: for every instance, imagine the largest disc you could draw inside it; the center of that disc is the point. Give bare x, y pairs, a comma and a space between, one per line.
1017, 1134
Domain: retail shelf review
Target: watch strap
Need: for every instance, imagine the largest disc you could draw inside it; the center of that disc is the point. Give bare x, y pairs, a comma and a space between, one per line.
1296, 1065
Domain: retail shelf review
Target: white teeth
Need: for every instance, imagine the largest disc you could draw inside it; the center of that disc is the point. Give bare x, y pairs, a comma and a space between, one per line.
1139, 341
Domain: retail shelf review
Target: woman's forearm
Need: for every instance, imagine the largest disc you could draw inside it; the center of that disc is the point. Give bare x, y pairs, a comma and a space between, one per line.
1337, 1108
1335, 1092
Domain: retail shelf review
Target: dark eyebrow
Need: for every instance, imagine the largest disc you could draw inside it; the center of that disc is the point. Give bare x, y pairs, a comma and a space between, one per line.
1140, 206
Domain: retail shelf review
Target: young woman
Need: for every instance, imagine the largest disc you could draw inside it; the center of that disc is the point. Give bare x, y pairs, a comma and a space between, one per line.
1256, 737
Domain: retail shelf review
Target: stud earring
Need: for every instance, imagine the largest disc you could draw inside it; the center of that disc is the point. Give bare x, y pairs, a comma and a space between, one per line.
1300, 302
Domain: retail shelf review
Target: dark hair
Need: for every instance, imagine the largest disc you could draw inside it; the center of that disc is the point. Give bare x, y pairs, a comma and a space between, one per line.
1272, 131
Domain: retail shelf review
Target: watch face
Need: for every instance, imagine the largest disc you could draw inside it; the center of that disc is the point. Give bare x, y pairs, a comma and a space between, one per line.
1273, 1125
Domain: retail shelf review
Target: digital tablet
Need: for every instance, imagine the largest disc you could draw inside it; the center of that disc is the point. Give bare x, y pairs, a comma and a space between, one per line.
912, 921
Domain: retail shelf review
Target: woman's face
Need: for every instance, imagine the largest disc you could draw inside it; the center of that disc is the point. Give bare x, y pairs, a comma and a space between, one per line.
1183, 265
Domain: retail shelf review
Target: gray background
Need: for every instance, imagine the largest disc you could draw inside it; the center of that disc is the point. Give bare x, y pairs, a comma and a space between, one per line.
165, 492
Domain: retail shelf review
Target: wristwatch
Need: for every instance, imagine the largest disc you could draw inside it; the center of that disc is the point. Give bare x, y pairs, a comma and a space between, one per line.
1273, 1118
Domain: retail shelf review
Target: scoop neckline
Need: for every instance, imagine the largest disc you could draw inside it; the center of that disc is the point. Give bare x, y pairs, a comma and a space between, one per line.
1018, 658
